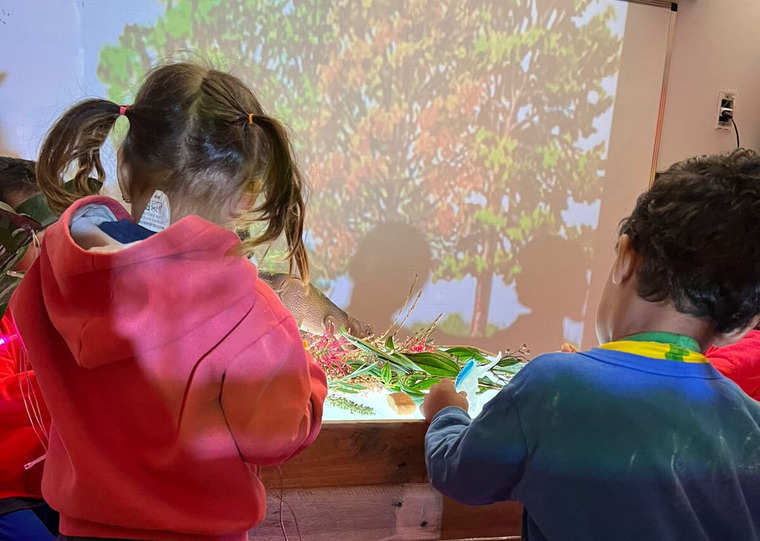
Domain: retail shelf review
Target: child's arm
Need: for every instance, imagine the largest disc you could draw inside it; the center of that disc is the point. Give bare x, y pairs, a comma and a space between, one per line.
272, 397
11, 396
11, 391
13, 381
479, 461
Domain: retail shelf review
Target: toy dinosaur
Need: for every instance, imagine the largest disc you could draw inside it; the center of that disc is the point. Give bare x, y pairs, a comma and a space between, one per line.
315, 313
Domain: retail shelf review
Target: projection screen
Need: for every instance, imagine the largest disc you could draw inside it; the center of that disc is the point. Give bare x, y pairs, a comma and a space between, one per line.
460, 149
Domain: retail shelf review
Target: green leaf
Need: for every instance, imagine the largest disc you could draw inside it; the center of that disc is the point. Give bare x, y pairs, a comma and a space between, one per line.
508, 361
419, 384
385, 373
436, 364
360, 371
366, 346
399, 360
465, 354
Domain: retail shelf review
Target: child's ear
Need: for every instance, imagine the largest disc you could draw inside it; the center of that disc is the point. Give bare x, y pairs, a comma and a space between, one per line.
625, 261
122, 177
734, 336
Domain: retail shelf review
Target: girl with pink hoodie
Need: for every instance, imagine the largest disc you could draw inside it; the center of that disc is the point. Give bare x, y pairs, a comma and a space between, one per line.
171, 372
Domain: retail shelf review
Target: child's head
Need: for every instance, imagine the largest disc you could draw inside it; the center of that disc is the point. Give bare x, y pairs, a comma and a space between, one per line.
200, 136
17, 181
391, 258
690, 253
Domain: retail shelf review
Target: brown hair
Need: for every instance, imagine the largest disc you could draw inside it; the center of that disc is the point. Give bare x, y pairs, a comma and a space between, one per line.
17, 179
194, 132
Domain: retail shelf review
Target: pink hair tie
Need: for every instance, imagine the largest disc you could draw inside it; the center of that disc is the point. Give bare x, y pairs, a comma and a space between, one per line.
123, 110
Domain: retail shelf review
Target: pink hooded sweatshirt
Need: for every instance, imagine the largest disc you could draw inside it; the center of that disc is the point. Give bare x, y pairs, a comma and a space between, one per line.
170, 371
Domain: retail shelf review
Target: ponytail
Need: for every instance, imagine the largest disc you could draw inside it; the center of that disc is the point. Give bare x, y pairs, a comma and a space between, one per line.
76, 138
197, 141
283, 206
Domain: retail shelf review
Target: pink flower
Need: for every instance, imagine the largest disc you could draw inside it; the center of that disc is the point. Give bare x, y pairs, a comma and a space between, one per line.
331, 352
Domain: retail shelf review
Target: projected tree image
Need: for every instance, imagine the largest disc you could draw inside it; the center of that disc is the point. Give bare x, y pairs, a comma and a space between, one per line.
469, 120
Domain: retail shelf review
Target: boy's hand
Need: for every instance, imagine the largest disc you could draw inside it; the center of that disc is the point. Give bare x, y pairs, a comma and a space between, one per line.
568, 348
442, 395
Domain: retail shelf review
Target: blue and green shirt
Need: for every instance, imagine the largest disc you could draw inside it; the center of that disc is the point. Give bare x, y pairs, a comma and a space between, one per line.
609, 445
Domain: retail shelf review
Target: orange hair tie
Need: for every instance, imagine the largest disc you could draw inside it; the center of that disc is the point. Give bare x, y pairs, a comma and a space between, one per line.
250, 118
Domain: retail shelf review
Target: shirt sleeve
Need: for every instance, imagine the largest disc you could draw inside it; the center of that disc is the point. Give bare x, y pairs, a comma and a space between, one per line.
11, 396
272, 397
16, 382
481, 461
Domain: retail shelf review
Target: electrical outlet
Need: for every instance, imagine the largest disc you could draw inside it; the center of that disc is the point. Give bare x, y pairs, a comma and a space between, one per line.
726, 109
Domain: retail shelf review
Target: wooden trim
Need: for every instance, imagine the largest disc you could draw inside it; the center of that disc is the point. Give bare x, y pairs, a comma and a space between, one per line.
408, 512
508, 538
367, 481
663, 93
490, 522
357, 454
398, 512
656, 3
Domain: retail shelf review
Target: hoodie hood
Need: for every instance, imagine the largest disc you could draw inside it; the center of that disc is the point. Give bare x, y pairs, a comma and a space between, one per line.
111, 306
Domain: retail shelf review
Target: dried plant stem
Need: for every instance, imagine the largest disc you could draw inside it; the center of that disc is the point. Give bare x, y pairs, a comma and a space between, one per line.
408, 313
406, 303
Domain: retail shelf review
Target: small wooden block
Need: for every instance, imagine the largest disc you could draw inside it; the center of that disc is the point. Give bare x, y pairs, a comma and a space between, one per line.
402, 403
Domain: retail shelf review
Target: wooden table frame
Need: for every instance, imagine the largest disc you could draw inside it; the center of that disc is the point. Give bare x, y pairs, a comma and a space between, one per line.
366, 481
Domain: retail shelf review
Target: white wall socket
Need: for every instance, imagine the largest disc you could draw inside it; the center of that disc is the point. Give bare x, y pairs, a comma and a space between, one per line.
726, 103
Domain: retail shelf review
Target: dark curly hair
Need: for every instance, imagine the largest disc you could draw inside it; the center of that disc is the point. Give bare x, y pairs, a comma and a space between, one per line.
697, 233
17, 177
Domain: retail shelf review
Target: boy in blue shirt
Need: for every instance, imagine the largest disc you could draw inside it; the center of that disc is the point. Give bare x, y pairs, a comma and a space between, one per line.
640, 438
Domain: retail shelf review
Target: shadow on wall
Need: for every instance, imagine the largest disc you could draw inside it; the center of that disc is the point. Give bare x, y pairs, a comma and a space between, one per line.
383, 269
553, 284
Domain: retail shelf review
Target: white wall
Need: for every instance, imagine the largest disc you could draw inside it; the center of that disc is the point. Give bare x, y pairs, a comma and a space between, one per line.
717, 47
631, 140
